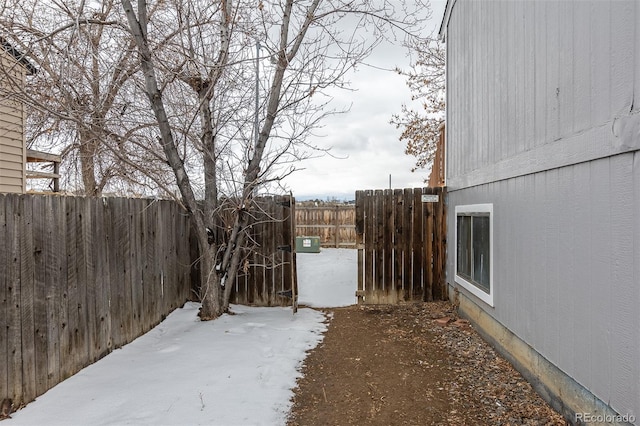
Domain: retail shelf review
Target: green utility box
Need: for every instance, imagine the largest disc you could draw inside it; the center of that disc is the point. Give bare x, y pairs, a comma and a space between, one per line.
308, 244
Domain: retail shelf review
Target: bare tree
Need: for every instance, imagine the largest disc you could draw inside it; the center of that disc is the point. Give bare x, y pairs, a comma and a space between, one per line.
426, 79
309, 45
83, 98
216, 134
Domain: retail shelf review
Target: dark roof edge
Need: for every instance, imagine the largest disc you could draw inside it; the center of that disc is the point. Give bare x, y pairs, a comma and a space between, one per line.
20, 57
442, 34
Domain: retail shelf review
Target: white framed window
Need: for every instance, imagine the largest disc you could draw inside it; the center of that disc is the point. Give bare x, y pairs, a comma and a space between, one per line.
474, 250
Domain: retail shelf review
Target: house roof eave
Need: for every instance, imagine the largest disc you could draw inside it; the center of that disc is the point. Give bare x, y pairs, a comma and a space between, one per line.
20, 57
442, 33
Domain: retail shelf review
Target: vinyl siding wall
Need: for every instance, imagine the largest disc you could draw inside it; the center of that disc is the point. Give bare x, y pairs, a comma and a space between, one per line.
543, 121
12, 145
539, 85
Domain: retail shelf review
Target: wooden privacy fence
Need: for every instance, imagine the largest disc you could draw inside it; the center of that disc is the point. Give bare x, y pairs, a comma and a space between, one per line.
80, 277
401, 245
334, 224
267, 275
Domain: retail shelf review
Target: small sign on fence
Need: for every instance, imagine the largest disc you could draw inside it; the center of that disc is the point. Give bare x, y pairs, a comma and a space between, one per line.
430, 198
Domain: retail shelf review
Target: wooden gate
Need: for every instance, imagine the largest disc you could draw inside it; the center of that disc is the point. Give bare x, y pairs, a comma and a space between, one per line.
267, 274
401, 240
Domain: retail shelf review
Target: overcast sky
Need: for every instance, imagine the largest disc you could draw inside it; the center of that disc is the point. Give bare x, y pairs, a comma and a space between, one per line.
363, 135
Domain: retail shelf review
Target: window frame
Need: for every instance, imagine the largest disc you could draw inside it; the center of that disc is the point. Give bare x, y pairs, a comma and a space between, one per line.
475, 288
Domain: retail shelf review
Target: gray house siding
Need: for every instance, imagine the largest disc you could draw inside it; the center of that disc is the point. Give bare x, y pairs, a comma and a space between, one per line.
543, 122
566, 266
542, 85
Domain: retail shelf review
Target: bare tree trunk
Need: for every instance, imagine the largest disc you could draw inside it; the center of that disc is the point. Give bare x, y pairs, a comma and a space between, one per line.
211, 304
234, 249
210, 279
210, 285
87, 154
213, 300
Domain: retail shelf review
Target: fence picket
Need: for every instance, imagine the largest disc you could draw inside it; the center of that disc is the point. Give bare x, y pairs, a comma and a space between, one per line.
369, 244
407, 269
69, 301
359, 222
55, 253
399, 231
4, 299
13, 288
428, 250
269, 242
417, 246
387, 244
40, 293
27, 289
100, 272
81, 331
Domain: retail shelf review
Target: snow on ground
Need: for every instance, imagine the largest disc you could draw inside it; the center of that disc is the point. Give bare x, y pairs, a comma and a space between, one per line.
327, 279
237, 370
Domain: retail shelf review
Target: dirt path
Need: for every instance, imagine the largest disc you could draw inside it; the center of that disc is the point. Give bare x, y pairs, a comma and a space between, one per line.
397, 365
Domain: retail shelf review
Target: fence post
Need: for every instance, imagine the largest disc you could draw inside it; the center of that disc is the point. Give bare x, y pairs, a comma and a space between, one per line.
336, 225
360, 244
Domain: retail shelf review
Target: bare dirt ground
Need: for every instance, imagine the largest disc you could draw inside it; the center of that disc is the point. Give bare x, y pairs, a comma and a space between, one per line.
399, 365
